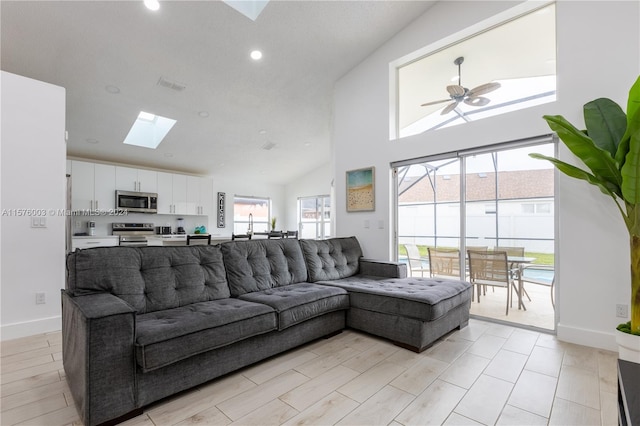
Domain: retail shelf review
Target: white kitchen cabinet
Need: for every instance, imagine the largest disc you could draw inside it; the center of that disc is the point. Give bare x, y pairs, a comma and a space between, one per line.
172, 193
147, 180
180, 194
89, 242
165, 193
138, 180
92, 186
199, 196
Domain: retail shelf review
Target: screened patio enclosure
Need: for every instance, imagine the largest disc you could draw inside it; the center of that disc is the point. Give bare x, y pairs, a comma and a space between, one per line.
481, 200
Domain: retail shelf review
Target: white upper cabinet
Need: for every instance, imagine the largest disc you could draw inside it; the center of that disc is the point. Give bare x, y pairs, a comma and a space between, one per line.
199, 196
147, 180
165, 193
206, 197
172, 193
180, 194
92, 186
139, 180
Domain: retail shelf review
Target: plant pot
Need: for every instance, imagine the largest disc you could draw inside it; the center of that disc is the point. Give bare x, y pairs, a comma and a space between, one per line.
628, 346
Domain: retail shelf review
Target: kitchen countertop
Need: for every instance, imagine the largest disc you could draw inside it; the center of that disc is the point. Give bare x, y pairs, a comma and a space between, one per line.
95, 236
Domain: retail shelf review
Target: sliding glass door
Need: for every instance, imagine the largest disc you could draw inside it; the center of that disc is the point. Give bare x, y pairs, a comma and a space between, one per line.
492, 199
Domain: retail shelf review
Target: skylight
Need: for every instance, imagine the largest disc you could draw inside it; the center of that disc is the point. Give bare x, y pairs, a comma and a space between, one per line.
249, 8
149, 130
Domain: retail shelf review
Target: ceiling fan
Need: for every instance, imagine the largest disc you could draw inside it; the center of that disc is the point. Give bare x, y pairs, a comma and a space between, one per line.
459, 93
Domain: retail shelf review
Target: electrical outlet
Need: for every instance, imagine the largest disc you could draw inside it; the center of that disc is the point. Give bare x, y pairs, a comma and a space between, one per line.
621, 311
40, 298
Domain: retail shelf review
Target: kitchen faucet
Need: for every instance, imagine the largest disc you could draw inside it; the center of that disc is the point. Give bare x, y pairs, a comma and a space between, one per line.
250, 230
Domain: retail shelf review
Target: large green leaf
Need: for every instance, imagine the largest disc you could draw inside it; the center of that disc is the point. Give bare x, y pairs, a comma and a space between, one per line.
598, 160
633, 106
606, 123
631, 167
577, 173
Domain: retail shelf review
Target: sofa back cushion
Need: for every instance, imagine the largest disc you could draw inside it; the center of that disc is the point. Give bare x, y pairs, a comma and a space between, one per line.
331, 259
256, 265
150, 278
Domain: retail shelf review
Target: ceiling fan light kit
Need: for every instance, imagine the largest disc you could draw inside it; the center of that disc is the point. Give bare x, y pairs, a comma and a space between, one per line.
458, 93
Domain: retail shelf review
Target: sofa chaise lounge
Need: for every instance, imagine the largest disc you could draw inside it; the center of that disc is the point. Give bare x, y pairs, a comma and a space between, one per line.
141, 324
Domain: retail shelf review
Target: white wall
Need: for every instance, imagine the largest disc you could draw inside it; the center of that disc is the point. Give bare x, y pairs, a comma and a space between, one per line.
315, 182
33, 177
251, 188
598, 55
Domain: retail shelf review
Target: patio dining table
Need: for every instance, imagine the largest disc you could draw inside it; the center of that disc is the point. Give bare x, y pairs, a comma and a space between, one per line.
517, 263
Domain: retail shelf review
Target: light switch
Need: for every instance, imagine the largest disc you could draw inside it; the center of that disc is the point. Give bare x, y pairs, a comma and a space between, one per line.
43, 222
381, 224
35, 222
366, 223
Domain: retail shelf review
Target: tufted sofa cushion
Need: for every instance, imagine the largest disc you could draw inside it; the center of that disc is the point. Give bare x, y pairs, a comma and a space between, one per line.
299, 302
150, 278
426, 299
257, 265
331, 259
168, 336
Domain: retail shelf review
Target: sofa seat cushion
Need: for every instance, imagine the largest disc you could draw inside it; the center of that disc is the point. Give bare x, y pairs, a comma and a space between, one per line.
426, 299
299, 302
165, 337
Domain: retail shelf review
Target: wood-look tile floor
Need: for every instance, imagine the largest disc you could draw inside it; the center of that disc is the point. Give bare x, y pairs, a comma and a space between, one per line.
539, 313
484, 374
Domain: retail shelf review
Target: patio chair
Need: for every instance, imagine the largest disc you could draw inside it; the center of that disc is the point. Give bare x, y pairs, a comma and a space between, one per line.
491, 269
514, 268
538, 281
444, 262
415, 260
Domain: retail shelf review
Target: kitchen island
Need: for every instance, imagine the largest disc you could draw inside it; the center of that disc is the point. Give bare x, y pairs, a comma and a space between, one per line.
181, 240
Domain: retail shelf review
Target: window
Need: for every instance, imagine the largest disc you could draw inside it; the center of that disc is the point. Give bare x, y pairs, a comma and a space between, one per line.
314, 215
495, 196
518, 55
251, 210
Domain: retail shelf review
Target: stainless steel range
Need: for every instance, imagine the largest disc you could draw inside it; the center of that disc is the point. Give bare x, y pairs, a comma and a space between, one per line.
133, 234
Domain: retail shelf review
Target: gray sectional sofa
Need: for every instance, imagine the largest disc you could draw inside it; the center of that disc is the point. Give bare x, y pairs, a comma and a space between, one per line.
140, 324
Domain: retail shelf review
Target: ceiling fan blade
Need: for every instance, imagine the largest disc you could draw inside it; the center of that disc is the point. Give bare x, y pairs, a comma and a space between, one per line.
449, 108
484, 88
436, 102
455, 90
477, 101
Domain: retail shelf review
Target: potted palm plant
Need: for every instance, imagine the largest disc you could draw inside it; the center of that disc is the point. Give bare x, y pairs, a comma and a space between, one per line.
610, 148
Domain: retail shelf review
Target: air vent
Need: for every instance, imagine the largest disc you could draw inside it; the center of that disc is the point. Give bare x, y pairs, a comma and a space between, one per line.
170, 84
268, 146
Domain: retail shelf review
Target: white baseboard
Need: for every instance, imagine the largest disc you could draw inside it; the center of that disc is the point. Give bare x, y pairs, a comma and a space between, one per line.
586, 337
30, 328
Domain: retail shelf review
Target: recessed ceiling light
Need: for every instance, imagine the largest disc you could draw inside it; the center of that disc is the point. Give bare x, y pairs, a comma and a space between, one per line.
112, 89
203, 114
256, 55
263, 132
307, 144
152, 4
92, 141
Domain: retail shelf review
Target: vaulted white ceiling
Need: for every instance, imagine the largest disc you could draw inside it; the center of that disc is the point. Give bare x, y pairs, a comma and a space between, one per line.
285, 98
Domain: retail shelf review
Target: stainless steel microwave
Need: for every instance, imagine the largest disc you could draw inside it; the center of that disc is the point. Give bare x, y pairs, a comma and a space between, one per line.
137, 202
